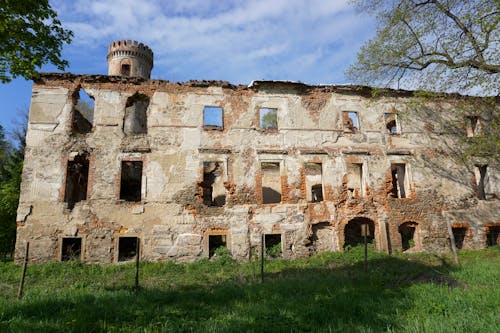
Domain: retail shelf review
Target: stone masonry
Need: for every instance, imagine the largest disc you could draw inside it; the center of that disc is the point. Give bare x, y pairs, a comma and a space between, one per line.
183, 168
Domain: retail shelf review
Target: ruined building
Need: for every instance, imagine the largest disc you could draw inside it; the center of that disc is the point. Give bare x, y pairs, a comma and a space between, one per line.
185, 168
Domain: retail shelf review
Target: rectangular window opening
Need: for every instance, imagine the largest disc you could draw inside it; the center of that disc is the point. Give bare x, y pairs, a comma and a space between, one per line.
314, 182
71, 248
215, 242
398, 173
83, 112
459, 235
472, 125
127, 248
125, 70
271, 182
391, 123
135, 120
131, 181
482, 180
213, 118
214, 192
268, 118
351, 120
355, 180
272, 244
493, 236
77, 175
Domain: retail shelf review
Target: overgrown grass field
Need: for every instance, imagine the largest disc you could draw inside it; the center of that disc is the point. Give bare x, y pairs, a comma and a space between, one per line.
326, 293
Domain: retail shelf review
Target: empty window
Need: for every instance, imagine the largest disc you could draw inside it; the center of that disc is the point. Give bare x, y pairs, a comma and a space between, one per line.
355, 179
212, 117
271, 182
214, 192
351, 121
135, 120
272, 244
472, 125
407, 232
482, 181
125, 70
268, 118
71, 248
77, 174
492, 235
459, 235
131, 181
215, 242
398, 173
83, 112
391, 123
314, 182
127, 248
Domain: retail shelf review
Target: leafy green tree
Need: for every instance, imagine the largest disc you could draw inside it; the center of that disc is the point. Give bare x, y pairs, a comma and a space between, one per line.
30, 36
438, 45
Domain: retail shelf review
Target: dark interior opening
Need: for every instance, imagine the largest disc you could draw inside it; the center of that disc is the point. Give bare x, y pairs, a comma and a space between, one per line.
481, 183
493, 236
407, 231
125, 70
317, 193
353, 234
214, 242
211, 173
77, 174
459, 235
131, 181
398, 181
71, 249
127, 247
273, 245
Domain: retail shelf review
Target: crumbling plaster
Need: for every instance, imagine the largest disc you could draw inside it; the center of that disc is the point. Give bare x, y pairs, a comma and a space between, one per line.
171, 220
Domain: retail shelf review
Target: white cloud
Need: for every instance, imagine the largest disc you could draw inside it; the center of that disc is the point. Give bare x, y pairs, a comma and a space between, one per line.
311, 41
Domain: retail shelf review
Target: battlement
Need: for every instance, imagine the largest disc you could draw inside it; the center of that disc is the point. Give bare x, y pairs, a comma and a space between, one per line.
130, 48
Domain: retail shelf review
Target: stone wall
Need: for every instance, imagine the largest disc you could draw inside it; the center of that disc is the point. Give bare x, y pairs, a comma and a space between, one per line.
171, 217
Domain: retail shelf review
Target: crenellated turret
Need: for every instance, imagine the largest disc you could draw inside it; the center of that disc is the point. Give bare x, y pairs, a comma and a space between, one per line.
130, 58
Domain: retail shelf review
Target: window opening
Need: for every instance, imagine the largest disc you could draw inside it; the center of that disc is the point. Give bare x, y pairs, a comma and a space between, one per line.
83, 112
271, 182
398, 180
272, 243
482, 180
459, 235
355, 229
215, 242
77, 174
71, 248
268, 118
125, 70
135, 120
355, 179
212, 118
391, 123
472, 125
493, 236
351, 120
127, 247
214, 192
131, 181
407, 232
314, 182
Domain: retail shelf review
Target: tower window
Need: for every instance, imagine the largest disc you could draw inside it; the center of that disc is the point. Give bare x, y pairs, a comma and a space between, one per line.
125, 70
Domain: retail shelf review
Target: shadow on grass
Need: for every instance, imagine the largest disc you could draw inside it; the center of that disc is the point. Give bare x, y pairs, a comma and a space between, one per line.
331, 298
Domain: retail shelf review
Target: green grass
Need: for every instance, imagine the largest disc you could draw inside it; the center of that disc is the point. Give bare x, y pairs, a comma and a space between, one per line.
326, 293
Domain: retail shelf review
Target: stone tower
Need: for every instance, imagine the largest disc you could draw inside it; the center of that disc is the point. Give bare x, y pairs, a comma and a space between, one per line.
130, 58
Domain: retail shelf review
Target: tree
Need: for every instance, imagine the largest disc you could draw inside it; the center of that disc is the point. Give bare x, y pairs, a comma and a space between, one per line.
438, 45
30, 36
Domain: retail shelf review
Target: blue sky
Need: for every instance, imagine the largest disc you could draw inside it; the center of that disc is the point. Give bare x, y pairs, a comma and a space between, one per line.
312, 41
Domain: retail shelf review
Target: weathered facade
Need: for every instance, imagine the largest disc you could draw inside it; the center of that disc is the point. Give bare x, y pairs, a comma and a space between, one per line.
188, 167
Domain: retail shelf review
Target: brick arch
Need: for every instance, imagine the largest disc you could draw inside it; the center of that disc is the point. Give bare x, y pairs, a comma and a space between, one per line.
351, 231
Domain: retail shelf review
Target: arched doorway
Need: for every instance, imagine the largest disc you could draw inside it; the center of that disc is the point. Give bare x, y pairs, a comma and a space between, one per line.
353, 231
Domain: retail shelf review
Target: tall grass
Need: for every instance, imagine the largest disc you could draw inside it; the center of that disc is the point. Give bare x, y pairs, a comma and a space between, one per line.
329, 292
